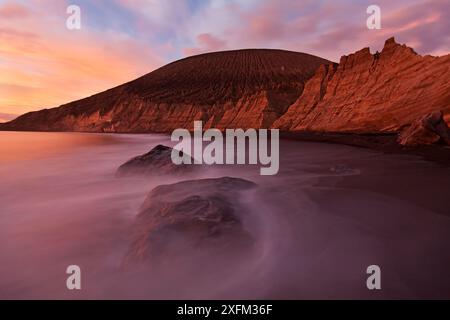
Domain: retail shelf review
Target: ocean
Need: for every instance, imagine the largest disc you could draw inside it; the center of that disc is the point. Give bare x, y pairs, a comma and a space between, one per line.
329, 213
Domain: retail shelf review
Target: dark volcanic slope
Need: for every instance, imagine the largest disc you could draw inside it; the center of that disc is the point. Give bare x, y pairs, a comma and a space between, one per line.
242, 88
226, 76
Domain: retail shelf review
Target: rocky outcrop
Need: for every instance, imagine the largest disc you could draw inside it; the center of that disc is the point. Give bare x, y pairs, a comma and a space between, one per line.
157, 161
429, 129
365, 93
371, 93
196, 214
241, 89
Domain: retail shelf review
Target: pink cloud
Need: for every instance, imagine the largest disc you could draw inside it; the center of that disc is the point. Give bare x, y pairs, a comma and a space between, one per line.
206, 43
11, 10
4, 117
329, 29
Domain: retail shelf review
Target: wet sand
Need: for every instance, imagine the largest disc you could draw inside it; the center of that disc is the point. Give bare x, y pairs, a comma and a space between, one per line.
331, 211
386, 143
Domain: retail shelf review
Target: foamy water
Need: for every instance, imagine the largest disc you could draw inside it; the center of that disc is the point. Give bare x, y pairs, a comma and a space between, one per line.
330, 212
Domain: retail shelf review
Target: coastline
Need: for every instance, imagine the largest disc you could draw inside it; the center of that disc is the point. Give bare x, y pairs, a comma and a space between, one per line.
386, 143
383, 142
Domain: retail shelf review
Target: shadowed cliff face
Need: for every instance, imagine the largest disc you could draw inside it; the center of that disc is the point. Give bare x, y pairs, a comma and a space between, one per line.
364, 93
243, 88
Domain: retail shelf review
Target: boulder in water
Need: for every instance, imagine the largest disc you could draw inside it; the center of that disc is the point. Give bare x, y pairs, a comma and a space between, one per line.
156, 162
191, 215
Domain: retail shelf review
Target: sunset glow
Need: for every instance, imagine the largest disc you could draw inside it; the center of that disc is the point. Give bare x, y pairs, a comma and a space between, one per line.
43, 64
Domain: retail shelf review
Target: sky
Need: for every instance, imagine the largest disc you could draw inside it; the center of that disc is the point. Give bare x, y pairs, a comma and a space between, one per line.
44, 64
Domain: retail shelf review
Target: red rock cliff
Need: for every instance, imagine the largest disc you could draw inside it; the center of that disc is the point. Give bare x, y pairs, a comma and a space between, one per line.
364, 93
371, 93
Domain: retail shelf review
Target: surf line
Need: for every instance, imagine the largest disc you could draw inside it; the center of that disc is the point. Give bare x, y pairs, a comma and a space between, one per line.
233, 151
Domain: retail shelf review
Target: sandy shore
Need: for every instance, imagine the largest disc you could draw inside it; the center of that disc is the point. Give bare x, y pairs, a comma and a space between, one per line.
386, 143
386, 209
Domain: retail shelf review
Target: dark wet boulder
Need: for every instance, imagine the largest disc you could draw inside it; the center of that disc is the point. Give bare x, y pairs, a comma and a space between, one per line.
430, 129
157, 161
190, 215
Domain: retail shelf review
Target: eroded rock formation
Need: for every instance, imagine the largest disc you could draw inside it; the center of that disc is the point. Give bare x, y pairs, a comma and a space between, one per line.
372, 93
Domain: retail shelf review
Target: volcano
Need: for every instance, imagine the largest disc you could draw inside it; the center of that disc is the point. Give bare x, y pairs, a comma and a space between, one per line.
241, 88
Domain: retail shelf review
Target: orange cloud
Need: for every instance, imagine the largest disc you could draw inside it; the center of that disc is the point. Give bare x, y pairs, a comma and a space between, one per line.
43, 64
